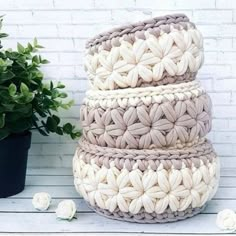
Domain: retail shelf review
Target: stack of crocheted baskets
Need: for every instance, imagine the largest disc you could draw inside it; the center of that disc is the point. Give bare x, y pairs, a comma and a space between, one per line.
144, 156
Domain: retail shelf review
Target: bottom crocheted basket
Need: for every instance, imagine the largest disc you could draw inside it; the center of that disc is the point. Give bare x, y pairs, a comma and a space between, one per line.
146, 186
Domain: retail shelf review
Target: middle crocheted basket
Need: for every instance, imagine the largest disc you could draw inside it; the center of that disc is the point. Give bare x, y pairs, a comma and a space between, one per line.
144, 156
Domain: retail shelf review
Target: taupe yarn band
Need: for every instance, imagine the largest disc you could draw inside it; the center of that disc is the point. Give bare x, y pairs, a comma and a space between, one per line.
167, 79
138, 28
127, 158
144, 217
170, 124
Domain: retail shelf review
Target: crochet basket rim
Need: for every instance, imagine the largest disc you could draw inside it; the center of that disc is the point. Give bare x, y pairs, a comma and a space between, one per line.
131, 27
82, 143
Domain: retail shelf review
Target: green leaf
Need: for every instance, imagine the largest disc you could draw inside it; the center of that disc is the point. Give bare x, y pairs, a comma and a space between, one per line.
35, 42
75, 135
56, 118
3, 35
59, 131
24, 89
2, 120
30, 47
6, 76
60, 85
12, 89
62, 95
44, 61
39, 46
51, 85
47, 92
36, 59
51, 124
67, 128
43, 132
20, 48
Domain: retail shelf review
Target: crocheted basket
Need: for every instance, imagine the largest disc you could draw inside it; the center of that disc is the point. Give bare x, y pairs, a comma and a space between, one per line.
162, 50
144, 156
146, 186
164, 116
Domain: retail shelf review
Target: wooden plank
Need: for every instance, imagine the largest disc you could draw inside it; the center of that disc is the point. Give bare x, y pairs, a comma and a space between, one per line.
228, 181
44, 180
228, 171
101, 234
54, 191
90, 234
25, 205
91, 222
49, 171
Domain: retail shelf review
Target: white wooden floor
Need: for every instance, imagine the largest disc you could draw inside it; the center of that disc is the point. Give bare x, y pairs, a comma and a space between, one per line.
18, 215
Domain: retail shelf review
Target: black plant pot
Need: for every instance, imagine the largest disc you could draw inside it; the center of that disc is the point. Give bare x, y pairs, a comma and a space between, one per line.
13, 163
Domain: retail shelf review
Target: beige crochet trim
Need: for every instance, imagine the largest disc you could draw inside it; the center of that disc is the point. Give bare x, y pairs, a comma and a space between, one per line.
145, 158
154, 26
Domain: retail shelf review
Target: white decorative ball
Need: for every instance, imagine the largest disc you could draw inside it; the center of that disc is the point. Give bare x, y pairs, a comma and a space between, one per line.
41, 201
226, 220
66, 210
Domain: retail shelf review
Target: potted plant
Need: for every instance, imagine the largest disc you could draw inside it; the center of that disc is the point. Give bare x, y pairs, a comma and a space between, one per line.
26, 103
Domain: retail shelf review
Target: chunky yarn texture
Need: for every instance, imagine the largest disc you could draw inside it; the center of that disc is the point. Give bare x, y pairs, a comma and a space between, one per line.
192, 184
165, 54
144, 156
167, 123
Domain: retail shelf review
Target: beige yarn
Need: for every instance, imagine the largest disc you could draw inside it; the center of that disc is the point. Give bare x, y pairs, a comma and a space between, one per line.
154, 26
150, 218
174, 53
144, 156
143, 96
138, 123
155, 191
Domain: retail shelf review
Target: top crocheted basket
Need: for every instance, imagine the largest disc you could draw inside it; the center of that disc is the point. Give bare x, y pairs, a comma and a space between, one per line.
159, 51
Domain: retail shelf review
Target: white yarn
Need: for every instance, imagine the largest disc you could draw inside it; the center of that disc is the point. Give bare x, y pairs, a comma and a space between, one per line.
154, 191
148, 95
175, 53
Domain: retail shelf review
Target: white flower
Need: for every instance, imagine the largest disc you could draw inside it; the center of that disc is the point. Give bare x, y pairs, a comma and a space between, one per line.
226, 219
41, 201
66, 210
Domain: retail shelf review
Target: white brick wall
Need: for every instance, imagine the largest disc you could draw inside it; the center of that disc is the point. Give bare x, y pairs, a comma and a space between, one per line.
63, 27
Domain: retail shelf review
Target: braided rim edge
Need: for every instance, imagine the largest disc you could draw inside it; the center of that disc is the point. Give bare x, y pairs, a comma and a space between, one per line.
140, 91
132, 28
187, 214
183, 153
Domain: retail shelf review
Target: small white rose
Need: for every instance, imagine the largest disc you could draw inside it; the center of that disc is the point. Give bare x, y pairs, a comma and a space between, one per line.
66, 210
226, 220
41, 201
